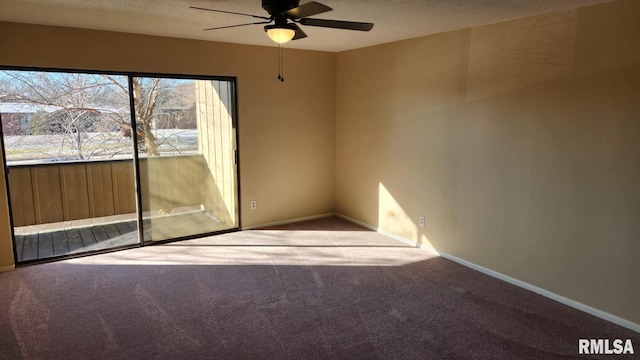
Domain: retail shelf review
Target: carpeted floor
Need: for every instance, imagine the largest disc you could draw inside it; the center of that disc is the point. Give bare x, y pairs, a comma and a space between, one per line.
324, 289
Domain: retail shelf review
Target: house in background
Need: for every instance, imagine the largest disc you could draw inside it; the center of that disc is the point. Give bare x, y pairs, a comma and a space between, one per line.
17, 116
516, 140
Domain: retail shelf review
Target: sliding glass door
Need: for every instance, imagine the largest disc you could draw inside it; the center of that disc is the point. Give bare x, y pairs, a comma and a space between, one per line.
186, 149
69, 162
83, 177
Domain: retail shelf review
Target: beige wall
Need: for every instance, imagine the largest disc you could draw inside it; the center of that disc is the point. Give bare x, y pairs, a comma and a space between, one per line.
518, 141
287, 130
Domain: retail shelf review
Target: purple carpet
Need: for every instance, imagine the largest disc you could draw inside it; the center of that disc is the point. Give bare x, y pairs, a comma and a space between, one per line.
324, 289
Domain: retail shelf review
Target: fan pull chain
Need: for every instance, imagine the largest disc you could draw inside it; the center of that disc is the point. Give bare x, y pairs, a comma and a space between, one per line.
280, 64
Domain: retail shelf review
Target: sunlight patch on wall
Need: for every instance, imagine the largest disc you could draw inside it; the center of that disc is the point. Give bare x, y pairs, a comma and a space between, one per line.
393, 219
424, 243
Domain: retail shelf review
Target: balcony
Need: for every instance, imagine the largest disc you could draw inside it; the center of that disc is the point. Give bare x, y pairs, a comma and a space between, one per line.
68, 208
69, 143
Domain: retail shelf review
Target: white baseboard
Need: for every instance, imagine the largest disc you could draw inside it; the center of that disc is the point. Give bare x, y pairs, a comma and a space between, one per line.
548, 294
290, 221
7, 268
388, 234
358, 222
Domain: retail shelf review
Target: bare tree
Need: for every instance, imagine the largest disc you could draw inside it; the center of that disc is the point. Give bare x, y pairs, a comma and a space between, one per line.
89, 114
148, 95
73, 105
68, 105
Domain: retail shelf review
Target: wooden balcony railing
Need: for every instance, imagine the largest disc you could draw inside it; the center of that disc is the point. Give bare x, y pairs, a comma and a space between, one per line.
54, 192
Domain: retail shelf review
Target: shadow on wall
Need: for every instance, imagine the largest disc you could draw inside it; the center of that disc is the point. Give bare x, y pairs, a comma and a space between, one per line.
443, 121
516, 141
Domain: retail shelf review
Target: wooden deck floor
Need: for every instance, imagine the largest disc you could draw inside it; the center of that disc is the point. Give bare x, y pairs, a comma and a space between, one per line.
46, 242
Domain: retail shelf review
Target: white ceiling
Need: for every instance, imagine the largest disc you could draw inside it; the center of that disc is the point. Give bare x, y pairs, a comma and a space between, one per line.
394, 20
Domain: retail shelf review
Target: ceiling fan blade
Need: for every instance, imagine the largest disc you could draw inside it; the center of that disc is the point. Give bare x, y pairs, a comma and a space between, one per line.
299, 33
306, 10
232, 26
230, 12
337, 24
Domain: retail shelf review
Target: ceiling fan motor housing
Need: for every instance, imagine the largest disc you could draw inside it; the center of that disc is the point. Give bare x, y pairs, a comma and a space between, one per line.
276, 7
287, 14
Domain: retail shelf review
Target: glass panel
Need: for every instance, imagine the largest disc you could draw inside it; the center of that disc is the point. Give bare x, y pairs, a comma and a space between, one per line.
69, 155
186, 142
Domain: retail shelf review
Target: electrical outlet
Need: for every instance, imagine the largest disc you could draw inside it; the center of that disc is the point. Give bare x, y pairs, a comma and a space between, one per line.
253, 204
421, 220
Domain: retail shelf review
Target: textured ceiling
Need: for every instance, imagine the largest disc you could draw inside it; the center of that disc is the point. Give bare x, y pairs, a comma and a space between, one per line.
394, 20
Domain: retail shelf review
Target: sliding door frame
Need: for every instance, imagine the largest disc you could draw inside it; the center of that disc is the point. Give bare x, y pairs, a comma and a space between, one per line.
136, 159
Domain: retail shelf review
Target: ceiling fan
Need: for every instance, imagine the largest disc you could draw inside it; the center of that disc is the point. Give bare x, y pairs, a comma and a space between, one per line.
287, 14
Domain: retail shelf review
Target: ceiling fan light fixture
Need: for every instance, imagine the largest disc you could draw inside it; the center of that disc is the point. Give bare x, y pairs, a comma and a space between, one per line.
280, 33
